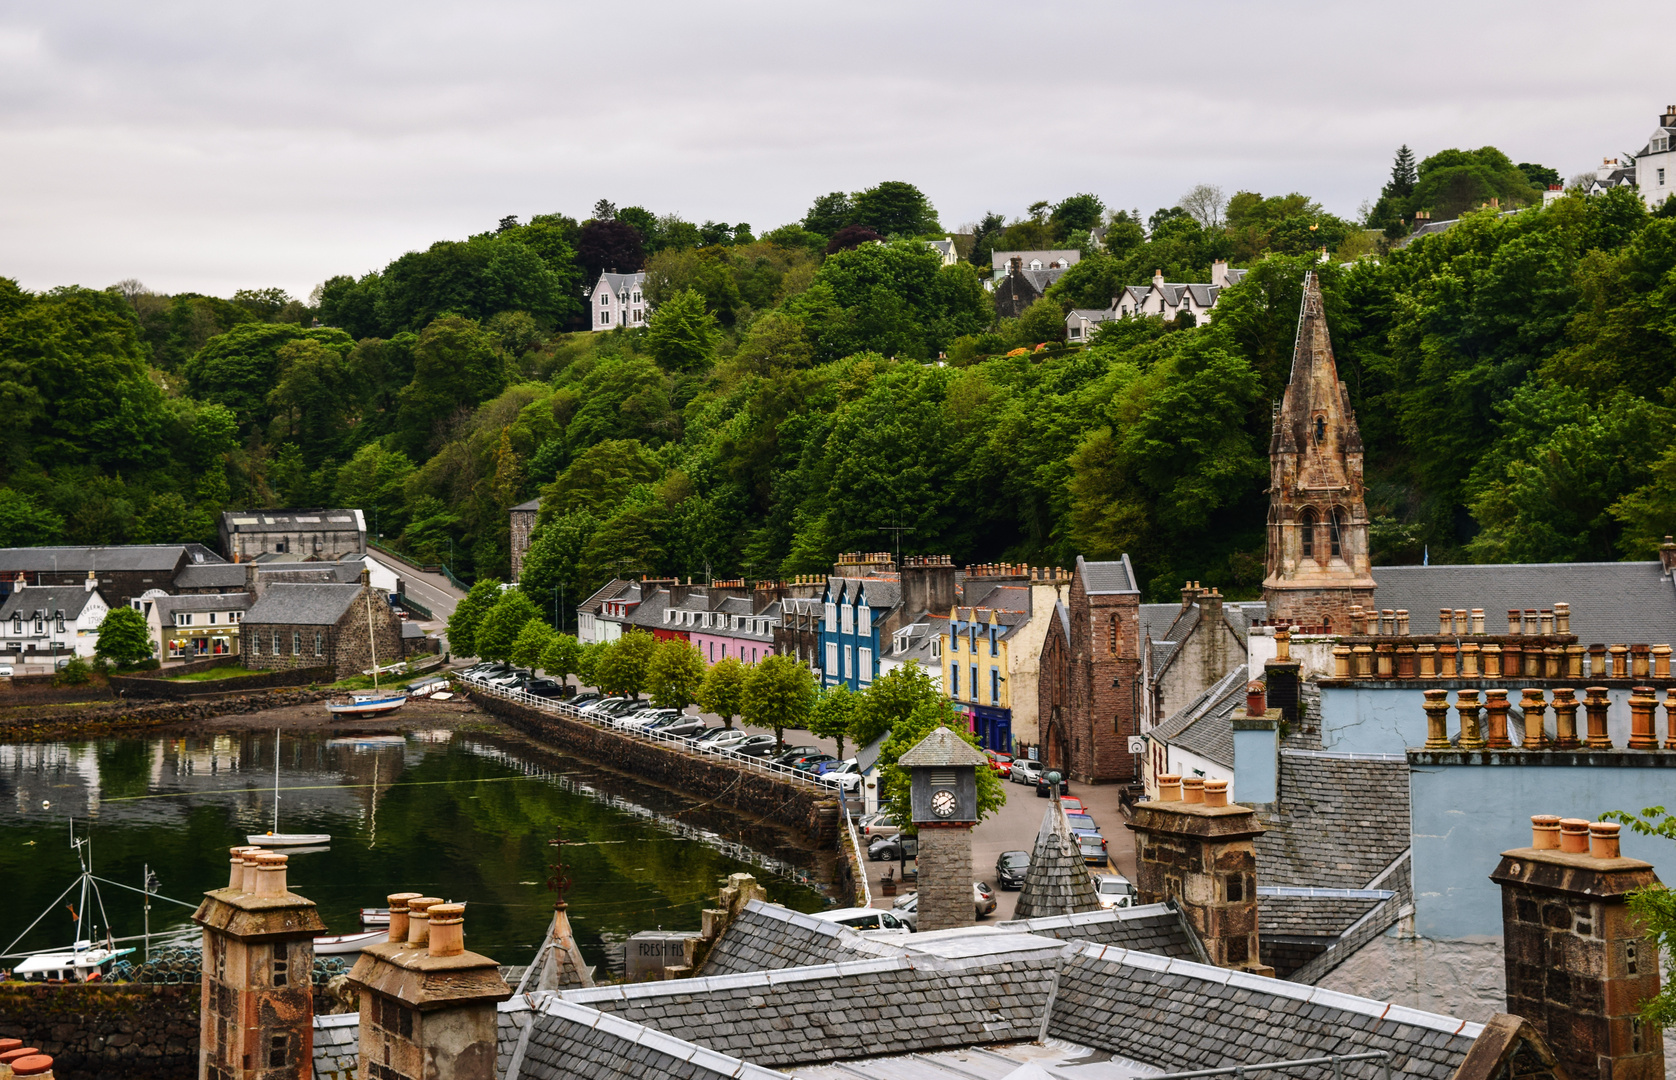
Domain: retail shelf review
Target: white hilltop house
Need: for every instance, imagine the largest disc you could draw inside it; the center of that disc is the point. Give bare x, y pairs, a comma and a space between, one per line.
1162, 298
619, 300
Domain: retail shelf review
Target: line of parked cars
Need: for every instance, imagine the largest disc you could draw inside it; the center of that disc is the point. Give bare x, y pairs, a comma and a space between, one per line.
504, 676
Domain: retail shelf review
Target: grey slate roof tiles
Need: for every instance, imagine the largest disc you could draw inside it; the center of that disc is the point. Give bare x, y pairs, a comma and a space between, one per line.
765, 937
1153, 928
567, 1041
1339, 821
114, 557
337, 1046
1058, 881
70, 599
308, 605
211, 576
1177, 1015
1303, 916
1116, 576
1205, 725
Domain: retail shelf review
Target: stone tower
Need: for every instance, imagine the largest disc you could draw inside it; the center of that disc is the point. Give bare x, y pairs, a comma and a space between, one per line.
1318, 561
258, 965
944, 798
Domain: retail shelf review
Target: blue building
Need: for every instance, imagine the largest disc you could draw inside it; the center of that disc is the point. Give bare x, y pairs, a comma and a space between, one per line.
854, 622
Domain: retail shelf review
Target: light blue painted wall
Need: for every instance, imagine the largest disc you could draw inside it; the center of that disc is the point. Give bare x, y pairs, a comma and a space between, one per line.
1382, 720
1256, 765
1464, 816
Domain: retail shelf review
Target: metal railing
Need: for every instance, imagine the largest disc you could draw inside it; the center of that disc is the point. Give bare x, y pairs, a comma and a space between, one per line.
856, 858
1337, 1061
679, 742
414, 607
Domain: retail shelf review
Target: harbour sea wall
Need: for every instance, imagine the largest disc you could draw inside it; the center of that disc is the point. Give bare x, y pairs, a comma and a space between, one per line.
33, 722
115, 1032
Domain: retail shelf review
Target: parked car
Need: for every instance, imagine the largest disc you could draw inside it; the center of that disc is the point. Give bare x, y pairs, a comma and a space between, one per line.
688, 727
866, 918
755, 746
907, 907
584, 700
1081, 822
1071, 804
794, 753
892, 848
1025, 772
798, 760
1042, 786
647, 719
723, 740
879, 824
598, 710
1114, 890
1092, 847
5, 671
829, 768
1010, 868
544, 688
813, 762
1001, 763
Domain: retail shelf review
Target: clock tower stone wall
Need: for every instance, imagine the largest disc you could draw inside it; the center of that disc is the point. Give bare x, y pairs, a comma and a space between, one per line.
945, 876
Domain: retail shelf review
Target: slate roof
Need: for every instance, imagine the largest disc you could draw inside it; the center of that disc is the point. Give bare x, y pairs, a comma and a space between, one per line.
1178, 1015
567, 1040
609, 591
649, 612
347, 572
1153, 928
882, 593
1101, 578
168, 605
1204, 726
942, 747
765, 937
69, 599
307, 605
953, 991
533, 504
1340, 820
615, 284
210, 576
267, 521
999, 261
1611, 603
114, 558
337, 1046
1309, 916
1058, 881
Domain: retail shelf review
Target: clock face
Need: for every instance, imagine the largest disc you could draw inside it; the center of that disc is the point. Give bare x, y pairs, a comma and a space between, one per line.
942, 803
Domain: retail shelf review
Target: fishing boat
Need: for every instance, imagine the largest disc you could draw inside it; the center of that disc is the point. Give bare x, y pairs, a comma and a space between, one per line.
273, 838
375, 703
83, 963
341, 944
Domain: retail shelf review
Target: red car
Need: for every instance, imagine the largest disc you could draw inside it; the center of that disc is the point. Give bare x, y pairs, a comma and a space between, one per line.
1001, 763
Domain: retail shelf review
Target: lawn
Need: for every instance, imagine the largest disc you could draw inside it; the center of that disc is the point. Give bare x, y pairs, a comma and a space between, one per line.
216, 673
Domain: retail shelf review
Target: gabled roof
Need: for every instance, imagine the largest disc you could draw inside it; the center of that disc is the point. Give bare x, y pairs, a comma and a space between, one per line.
609, 591
211, 576
116, 558
1001, 260
1104, 578
1155, 928
649, 612
1341, 821
942, 748
616, 283
1611, 603
533, 504
70, 599
166, 606
306, 605
1204, 726
271, 521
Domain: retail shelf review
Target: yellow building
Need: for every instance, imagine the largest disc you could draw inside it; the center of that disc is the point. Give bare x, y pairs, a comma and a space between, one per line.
990, 654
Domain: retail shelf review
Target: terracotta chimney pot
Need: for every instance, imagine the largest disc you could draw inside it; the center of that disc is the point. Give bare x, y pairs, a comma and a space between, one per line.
1574, 661
419, 920
1545, 832
1445, 621
36, 1065
1565, 719
1640, 662
1216, 793
1533, 706
1254, 705
1466, 708
1169, 787
1643, 725
448, 935
1620, 661
1547, 621
1597, 661
8, 1045
1562, 618
1388, 622
1426, 653
1461, 621
1193, 789
1515, 621
1283, 644
1446, 660
1382, 655
1477, 620
1341, 661
1596, 705
1402, 622
1574, 836
1553, 661
1469, 659
1661, 661
1512, 660
1491, 655
1603, 840
270, 874
1437, 720
1495, 707
235, 879
1670, 718
1362, 661
1405, 661
398, 915
250, 867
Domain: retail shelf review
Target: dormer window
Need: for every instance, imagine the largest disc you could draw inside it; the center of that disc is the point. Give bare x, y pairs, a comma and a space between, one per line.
1661, 143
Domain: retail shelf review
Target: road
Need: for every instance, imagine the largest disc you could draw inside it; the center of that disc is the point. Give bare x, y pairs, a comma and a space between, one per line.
432, 590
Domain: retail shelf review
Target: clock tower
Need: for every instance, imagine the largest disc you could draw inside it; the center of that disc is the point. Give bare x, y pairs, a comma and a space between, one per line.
944, 798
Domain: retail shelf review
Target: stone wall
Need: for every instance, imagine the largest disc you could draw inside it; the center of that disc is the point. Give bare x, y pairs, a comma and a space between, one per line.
112, 1032
345, 647
156, 684
55, 721
945, 877
523, 523
1104, 706
811, 812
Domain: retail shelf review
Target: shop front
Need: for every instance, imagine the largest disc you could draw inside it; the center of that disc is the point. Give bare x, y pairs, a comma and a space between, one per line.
992, 726
193, 644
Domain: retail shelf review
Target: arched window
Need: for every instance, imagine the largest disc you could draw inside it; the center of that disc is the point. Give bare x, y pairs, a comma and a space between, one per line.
1113, 635
1320, 429
1334, 521
1306, 526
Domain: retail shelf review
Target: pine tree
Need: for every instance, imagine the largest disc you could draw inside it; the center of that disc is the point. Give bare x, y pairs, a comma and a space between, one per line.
1403, 174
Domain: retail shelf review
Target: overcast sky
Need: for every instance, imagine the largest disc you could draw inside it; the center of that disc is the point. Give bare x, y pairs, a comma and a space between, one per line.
211, 146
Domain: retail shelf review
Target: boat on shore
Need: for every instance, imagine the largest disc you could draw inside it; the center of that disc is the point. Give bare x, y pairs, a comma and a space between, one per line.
83, 963
373, 704
342, 944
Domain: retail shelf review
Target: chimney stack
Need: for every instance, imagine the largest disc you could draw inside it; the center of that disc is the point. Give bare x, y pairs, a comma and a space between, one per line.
428, 1004
1578, 963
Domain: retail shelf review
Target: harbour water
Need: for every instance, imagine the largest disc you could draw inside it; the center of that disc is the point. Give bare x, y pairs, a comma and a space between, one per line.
461, 815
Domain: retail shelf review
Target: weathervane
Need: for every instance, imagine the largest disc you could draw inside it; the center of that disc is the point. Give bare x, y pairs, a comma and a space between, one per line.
558, 882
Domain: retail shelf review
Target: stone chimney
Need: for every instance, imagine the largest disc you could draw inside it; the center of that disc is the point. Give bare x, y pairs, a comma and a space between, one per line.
1189, 593
427, 1004
1016, 266
927, 584
1219, 272
253, 580
1578, 963
92, 581
1667, 554
257, 1017
1210, 606
1203, 856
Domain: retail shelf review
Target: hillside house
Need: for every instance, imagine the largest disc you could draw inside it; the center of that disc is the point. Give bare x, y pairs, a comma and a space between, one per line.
618, 300
1167, 300
37, 622
320, 534
320, 625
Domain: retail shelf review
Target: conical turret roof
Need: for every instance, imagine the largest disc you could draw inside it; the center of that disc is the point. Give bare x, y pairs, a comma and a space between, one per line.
1058, 881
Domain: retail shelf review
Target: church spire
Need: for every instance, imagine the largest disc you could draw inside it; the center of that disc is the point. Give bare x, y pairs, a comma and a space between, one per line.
1318, 562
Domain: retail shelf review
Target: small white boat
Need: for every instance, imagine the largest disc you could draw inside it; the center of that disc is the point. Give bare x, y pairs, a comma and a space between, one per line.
287, 839
81, 964
367, 704
340, 944
375, 916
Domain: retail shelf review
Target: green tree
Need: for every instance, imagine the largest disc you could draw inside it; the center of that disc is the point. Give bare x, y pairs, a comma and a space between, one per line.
829, 214
455, 365
675, 675
778, 694
624, 664
563, 657
891, 698
722, 692
893, 208
25, 523
587, 662
1043, 321
895, 783
124, 637
501, 624
833, 714
1077, 214
469, 614
682, 333
532, 643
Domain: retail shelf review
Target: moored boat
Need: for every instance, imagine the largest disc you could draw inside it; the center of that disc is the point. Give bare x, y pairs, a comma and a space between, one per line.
366, 704
340, 944
287, 839
81, 964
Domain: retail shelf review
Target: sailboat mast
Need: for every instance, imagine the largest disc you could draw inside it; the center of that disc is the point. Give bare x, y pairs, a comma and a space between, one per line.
372, 642
276, 780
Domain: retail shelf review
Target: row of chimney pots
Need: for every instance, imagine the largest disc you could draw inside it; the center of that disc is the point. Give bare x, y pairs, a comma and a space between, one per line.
1492, 660
17, 1059
1492, 732
1526, 622
1574, 836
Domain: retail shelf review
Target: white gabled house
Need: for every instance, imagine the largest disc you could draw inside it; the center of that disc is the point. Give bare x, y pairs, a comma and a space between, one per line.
619, 300
1169, 299
41, 621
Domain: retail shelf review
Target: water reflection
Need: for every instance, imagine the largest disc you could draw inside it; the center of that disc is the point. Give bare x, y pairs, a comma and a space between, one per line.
463, 816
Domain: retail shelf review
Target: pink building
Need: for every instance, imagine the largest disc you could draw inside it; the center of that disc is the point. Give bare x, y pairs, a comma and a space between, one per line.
732, 629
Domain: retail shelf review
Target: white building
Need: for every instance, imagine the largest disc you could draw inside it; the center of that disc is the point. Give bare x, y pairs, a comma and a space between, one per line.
945, 250
619, 300
38, 622
1655, 166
